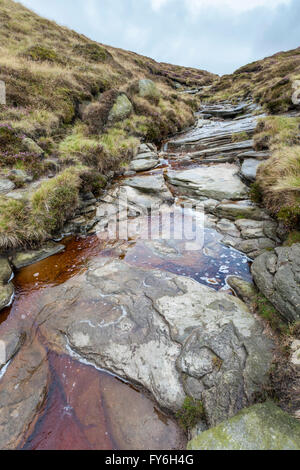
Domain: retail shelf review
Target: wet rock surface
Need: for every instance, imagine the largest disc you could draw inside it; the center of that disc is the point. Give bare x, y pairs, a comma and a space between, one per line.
139, 318
277, 275
249, 169
23, 390
130, 322
22, 259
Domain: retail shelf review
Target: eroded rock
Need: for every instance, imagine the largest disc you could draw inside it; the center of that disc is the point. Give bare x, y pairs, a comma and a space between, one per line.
142, 165
169, 334
22, 392
215, 182
277, 275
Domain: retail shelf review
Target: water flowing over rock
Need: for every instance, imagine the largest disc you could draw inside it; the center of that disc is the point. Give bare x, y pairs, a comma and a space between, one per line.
169, 334
277, 274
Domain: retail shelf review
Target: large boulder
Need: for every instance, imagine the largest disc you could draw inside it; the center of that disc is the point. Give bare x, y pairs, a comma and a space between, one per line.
215, 182
166, 333
32, 147
277, 275
6, 186
121, 109
260, 427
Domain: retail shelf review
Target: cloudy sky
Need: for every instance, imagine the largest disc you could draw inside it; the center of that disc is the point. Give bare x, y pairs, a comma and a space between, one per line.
217, 35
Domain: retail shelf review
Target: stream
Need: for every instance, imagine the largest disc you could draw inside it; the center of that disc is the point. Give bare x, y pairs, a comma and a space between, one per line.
86, 407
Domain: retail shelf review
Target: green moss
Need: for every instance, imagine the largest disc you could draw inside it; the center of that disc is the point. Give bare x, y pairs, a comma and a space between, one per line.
239, 137
92, 51
266, 310
293, 237
10, 142
260, 427
256, 194
41, 53
290, 214
191, 413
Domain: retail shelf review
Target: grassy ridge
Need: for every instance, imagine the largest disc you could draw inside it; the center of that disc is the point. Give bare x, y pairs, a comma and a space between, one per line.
269, 82
278, 179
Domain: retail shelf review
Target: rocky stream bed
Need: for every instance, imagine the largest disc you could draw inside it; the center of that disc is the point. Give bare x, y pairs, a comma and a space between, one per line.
106, 339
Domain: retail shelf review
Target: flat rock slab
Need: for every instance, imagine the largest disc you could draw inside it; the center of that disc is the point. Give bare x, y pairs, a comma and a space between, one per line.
166, 333
215, 182
232, 148
277, 275
260, 427
142, 165
26, 258
146, 156
148, 184
245, 209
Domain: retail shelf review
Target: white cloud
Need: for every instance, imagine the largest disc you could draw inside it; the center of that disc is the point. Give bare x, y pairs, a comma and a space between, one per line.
157, 4
236, 5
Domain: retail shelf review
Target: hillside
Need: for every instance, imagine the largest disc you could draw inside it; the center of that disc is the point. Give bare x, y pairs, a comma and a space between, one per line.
60, 90
268, 82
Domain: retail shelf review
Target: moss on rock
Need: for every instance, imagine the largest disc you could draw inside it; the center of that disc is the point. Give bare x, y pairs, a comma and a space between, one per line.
260, 427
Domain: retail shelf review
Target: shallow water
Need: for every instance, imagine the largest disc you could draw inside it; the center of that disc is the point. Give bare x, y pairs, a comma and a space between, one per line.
90, 409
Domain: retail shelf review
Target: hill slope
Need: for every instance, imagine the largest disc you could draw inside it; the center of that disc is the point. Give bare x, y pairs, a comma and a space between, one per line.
75, 107
269, 82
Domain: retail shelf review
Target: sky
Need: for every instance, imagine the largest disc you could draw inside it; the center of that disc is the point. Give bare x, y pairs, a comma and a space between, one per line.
216, 35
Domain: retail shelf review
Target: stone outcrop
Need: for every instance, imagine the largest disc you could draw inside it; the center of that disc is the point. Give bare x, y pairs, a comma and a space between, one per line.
6, 288
260, 427
277, 275
216, 182
166, 333
22, 259
121, 109
6, 186
249, 169
148, 89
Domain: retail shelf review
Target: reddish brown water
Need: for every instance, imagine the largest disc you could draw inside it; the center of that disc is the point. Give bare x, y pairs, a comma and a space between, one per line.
87, 408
